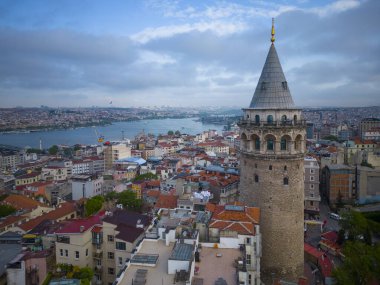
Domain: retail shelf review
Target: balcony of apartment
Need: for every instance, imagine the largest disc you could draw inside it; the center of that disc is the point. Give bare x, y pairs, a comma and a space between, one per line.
97, 235
63, 239
98, 268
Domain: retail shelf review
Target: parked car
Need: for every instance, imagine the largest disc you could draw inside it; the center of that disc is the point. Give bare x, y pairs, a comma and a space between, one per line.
334, 216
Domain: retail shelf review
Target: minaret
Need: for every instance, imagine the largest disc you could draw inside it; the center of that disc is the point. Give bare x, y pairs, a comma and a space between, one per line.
272, 175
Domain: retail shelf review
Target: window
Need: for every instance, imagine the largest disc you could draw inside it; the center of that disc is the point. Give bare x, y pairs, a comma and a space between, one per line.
86, 251
285, 168
120, 260
295, 118
76, 254
270, 144
120, 245
110, 238
66, 252
111, 271
283, 118
257, 119
263, 86
249, 279
311, 203
248, 259
270, 119
270, 167
311, 178
257, 144
256, 178
255, 165
110, 255
61, 252
311, 171
248, 240
284, 85
286, 181
311, 186
283, 144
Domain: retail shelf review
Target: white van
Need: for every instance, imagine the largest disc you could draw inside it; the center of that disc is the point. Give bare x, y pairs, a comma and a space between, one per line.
334, 216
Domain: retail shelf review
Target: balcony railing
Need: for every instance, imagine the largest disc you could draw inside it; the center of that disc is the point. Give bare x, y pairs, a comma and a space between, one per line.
279, 123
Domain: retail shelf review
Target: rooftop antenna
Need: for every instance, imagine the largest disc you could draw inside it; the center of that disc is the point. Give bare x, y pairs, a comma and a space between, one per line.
272, 39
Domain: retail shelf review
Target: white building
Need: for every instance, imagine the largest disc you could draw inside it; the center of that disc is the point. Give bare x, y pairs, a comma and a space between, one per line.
86, 186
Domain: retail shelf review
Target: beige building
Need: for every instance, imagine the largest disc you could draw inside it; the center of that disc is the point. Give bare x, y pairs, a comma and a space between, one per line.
312, 196
368, 182
114, 152
74, 242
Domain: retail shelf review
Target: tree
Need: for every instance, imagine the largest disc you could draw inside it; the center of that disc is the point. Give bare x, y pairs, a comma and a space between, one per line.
6, 210
93, 205
146, 176
177, 133
170, 133
361, 264
129, 201
53, 150
355, 225
331, 138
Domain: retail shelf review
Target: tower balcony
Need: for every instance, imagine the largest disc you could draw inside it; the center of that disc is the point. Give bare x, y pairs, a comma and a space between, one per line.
271, 124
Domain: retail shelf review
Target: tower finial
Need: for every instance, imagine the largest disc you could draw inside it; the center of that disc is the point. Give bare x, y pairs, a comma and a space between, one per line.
272, 39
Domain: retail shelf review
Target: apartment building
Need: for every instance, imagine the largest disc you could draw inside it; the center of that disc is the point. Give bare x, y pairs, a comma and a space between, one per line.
122, 232
74, 242
312, 196
114, 152
86, 186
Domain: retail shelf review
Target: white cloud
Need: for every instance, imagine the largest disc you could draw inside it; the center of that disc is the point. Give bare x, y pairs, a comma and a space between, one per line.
146, 56
336, 7
217, 27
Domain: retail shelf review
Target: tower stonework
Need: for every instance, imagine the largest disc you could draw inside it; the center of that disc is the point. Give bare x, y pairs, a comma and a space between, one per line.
272, 151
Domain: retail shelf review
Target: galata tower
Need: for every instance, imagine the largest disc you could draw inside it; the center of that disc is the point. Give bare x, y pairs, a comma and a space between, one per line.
272, 147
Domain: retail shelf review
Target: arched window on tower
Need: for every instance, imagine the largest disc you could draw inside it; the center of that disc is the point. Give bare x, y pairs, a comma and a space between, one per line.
270, 119
256, 178
286, 181
285, 168
257, 119
270, 167
283, 144
295, 118
270, 144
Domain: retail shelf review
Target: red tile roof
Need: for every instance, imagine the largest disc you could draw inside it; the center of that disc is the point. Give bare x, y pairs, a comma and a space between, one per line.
242, 222
22, 202
80, 225
166, 201
64, 209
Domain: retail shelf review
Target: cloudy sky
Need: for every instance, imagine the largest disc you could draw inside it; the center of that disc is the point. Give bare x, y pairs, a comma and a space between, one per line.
186, 53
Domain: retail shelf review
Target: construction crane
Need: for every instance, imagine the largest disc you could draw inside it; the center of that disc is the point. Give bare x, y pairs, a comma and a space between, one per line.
100, 137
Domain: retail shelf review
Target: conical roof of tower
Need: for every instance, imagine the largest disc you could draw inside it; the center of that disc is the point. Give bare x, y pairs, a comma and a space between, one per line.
272, 91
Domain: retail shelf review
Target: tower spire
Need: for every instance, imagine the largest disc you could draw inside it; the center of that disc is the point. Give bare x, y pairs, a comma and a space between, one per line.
272, 39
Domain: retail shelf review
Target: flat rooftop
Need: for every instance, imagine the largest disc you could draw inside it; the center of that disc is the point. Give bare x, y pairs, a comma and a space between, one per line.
154, 275
217, 263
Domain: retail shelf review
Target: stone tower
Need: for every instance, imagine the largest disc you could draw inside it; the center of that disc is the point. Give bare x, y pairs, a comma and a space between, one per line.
272, 174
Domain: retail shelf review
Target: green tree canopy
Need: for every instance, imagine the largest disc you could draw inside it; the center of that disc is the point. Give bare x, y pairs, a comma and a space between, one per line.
93, 205
146, 176
129, 200
355, 225
53, 150
170, 133
6, 210
361, 264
